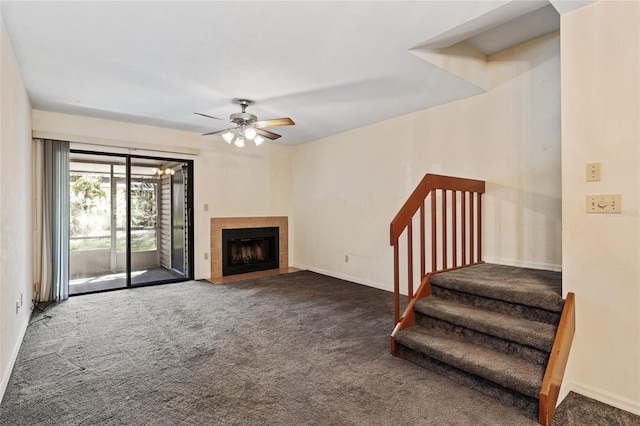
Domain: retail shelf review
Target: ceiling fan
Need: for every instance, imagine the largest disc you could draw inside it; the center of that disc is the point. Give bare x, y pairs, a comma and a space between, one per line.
247, 126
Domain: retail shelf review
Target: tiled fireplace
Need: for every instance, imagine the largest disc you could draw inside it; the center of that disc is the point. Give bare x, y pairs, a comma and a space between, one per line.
247, 244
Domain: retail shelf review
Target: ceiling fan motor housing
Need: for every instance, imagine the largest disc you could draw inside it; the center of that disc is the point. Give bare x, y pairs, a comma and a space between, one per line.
243, 118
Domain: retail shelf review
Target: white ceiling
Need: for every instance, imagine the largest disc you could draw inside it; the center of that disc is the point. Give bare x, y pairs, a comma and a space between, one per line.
331, 66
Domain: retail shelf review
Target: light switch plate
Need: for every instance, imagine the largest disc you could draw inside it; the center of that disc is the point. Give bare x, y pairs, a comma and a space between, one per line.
607, 203
593, 172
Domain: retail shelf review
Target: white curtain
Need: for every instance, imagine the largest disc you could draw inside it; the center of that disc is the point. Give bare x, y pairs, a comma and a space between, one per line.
51, 189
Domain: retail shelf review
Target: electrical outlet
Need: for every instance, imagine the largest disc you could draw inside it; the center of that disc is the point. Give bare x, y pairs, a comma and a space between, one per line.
608, 203
593, 172
206, 256
346, 258
206, 207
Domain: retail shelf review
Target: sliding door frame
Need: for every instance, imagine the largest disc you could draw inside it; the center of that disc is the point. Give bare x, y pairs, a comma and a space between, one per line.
190, 259
127, 177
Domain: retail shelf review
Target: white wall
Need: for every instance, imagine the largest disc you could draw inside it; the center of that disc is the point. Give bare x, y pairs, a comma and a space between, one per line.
15, 209
252, 181
601, 253
347, 188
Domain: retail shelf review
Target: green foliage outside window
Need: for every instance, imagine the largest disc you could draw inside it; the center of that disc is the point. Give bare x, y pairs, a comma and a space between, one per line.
89, 205
90, 211
144, 206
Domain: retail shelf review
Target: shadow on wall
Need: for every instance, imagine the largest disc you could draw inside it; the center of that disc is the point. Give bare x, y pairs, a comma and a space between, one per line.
523, 227
535, 53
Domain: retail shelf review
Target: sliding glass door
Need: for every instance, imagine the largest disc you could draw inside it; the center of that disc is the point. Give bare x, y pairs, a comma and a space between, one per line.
98, 218
123, 216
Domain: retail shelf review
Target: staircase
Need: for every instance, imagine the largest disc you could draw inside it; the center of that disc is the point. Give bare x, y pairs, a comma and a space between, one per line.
503, 330
490, 327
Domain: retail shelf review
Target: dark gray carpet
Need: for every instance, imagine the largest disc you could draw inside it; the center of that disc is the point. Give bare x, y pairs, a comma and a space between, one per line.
294, 349
530, 287
577, 409
530, 333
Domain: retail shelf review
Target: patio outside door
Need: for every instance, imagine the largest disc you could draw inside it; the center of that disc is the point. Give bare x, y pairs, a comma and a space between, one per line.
129, 221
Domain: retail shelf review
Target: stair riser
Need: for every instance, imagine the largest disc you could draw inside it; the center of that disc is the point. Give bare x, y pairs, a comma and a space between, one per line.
513, 398
530, 313
462, 333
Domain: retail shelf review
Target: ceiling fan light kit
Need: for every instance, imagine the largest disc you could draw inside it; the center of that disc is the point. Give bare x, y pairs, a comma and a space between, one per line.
247, 126
228, 136
249, 132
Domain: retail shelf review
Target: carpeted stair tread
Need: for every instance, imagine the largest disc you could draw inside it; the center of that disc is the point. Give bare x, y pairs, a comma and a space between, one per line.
497, 367
522, 331
529, 287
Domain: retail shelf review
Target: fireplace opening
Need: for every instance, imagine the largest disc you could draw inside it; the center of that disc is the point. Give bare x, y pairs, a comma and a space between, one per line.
249, 250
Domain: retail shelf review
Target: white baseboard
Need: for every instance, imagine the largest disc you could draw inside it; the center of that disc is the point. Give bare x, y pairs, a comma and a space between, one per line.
605, 397
523, 264
564, 391
345, 277
12, 360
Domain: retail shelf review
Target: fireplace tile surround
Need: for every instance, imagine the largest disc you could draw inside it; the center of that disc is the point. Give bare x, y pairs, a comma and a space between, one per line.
220, 223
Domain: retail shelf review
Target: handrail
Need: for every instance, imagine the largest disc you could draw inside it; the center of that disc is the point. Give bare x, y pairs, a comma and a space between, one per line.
428, 183
468, 219
550, 388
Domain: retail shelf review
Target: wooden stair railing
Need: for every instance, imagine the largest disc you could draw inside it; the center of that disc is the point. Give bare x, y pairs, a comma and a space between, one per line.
557, 361
455, 235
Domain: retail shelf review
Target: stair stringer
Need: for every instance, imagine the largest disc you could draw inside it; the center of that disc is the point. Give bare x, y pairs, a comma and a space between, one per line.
557, 362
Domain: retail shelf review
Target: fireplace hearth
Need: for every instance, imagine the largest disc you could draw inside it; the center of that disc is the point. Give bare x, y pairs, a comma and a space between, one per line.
249, 250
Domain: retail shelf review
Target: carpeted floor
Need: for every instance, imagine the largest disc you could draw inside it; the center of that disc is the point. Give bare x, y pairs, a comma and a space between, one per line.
577, 409
293, 349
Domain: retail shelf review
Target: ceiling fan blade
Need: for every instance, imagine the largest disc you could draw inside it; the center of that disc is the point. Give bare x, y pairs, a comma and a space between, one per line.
209, 116
275, 122
216, 132
267, 134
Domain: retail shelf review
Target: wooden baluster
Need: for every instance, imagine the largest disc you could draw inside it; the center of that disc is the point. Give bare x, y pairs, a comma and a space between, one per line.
434, 248
479, 227
410, 258
423, 251
454, 226
464, 227
444, 229
396, 281
471, 220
